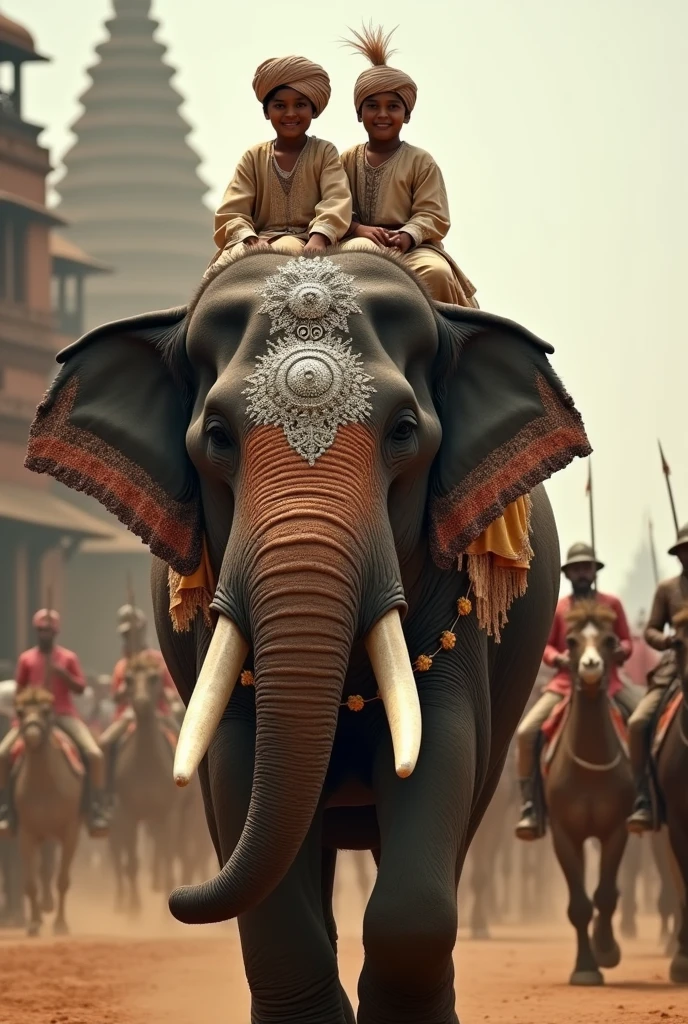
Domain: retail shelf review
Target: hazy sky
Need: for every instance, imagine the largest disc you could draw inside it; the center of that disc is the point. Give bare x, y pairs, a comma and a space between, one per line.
561, 129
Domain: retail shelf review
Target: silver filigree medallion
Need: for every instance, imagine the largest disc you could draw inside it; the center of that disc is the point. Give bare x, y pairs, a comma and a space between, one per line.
309, 382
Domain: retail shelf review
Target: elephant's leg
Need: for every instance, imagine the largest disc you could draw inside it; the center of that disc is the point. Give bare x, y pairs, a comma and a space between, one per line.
410, 924
480, 876
69, 845
571, 858
605, 946
289, 960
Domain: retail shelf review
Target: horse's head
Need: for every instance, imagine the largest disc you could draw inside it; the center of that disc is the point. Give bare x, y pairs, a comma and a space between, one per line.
680, 644
34, 708
592, 643
144, 682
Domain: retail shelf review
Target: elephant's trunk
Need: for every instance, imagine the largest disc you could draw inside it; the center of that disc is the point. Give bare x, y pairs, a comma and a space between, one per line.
303, 550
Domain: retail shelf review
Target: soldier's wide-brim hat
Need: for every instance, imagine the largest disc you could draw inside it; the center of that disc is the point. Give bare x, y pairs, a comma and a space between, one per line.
129, 617
681, 540
579, 554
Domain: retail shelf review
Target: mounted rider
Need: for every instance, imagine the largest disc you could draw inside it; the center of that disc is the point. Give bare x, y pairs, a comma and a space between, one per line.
670, 597
580, 569
132, 626
57, 670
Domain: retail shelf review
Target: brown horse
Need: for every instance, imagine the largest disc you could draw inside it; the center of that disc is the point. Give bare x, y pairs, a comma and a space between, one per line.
672, 775
144, 790
589, 789
48, 800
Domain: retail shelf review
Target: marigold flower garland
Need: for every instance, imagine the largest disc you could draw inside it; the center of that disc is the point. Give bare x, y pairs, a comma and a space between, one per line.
423, 662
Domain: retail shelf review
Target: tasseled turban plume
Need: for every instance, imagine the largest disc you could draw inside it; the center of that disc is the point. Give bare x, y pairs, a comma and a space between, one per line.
373, 43
297, 73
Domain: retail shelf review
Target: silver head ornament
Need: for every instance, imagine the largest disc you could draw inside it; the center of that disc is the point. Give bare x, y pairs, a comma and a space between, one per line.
309, 382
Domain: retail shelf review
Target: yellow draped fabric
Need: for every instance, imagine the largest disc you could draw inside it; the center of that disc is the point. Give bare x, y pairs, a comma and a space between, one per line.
498, 564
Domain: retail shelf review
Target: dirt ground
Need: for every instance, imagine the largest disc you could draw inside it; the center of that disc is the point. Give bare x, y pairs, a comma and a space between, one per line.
115, 971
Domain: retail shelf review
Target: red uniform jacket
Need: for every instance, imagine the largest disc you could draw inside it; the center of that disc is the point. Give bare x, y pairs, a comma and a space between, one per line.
31, 671
119, 684
557, 643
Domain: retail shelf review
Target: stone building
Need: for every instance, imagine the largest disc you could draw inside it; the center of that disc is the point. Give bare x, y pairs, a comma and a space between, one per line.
38, 530
130, 190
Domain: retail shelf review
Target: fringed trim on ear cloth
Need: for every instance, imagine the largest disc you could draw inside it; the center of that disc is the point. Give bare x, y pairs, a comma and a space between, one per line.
189, 593
498, 564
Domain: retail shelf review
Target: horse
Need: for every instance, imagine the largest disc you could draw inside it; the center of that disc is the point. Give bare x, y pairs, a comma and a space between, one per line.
144, 789
589, 790
672, 776
48, 801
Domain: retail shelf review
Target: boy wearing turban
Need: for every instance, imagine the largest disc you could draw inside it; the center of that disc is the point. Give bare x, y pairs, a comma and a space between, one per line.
399, 197
291, 192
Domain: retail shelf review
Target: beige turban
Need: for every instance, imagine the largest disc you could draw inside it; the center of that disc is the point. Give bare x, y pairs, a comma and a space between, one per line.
297, 73
374, 44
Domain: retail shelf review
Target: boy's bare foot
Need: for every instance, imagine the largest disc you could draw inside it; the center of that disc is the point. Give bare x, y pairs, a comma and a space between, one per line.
316, 243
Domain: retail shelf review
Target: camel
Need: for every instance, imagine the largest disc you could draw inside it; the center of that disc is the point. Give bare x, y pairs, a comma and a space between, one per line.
48, 801
589, 790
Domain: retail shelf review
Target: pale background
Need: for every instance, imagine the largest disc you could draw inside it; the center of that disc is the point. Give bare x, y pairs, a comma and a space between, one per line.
561, 129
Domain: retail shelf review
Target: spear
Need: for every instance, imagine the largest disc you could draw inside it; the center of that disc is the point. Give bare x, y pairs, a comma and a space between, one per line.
667, 475
591, 508
653, 552
130, 591
49, 659
131, 598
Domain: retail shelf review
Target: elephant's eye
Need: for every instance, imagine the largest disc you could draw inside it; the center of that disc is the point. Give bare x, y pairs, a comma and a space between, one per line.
404, 428
217, 434
402, 440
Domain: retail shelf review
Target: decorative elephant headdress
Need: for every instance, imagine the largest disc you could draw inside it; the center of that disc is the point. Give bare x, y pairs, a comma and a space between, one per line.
508, 423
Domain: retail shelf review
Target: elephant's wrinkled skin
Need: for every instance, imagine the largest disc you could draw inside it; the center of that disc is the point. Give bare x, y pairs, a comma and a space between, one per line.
308, 559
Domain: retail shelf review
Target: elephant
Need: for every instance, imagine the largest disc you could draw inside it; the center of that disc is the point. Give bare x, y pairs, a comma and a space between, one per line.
327, 441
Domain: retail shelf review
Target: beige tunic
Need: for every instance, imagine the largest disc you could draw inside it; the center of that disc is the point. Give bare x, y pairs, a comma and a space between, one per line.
263, 200
407, 193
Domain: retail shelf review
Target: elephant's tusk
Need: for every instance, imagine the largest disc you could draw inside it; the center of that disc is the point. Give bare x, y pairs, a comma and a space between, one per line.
226, 655
389, 657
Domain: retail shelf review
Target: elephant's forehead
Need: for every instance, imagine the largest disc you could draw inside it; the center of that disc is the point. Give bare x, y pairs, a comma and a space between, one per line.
396, 312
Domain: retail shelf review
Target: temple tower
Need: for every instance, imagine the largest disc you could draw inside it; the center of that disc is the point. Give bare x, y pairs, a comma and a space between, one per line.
130, 192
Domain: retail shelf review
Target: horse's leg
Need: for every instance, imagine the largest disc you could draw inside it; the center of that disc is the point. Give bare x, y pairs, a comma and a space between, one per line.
572, 861
630, 871
115, 848
130, 846
605, 946
47, 870
678, 836
70, 840
668, 903
29, 857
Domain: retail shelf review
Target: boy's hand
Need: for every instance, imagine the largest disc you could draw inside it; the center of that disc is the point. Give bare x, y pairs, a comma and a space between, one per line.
316, 243
253, 241
400, 240
381, 236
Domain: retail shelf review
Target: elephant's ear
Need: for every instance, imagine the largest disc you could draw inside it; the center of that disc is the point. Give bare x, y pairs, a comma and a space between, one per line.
507, 422
113, 424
